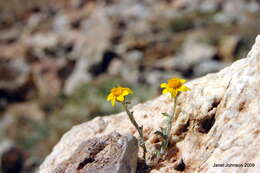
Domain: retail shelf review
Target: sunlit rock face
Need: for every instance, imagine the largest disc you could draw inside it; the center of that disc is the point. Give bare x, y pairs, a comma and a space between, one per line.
216, 128
111, 153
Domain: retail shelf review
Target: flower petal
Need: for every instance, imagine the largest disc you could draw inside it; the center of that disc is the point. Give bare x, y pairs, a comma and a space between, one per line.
113, 102
163, 85
182, 81
127, 91
184, 88
110, 97
130, 91
120, 98
165, 91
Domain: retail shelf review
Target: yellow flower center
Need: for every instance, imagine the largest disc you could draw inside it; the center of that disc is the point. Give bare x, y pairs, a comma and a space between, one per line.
117, 91
174, 83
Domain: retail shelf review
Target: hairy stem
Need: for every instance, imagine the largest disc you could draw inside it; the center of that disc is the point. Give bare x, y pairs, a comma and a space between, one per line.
168, 129
139, 128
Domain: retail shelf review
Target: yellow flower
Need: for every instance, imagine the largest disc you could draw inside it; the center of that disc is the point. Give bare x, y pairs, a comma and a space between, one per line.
174, 86
118, 94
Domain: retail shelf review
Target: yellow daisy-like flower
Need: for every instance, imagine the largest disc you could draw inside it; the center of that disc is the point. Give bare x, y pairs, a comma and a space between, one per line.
174, 86
118, 94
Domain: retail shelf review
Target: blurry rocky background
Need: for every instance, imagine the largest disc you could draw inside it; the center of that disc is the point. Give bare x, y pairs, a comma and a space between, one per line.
58, 60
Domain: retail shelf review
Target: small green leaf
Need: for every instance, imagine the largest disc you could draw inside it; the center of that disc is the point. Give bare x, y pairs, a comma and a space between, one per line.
160, 134
165, 114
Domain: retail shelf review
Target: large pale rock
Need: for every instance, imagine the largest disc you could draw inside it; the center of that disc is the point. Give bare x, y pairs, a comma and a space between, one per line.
216, 122
112, 153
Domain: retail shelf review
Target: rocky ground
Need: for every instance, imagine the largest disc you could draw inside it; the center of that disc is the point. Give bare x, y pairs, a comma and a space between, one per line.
59, 59
216, 122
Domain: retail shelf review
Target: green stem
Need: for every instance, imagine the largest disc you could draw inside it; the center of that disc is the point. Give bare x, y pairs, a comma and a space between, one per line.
171, 118
169, 127
139, 129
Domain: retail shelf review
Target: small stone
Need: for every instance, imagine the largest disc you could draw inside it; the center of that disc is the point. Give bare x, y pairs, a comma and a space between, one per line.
14, 73
194, 52
227, 47
12, 160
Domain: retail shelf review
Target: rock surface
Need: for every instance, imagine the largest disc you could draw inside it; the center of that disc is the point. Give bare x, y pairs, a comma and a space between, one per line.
216, 122
112, 153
